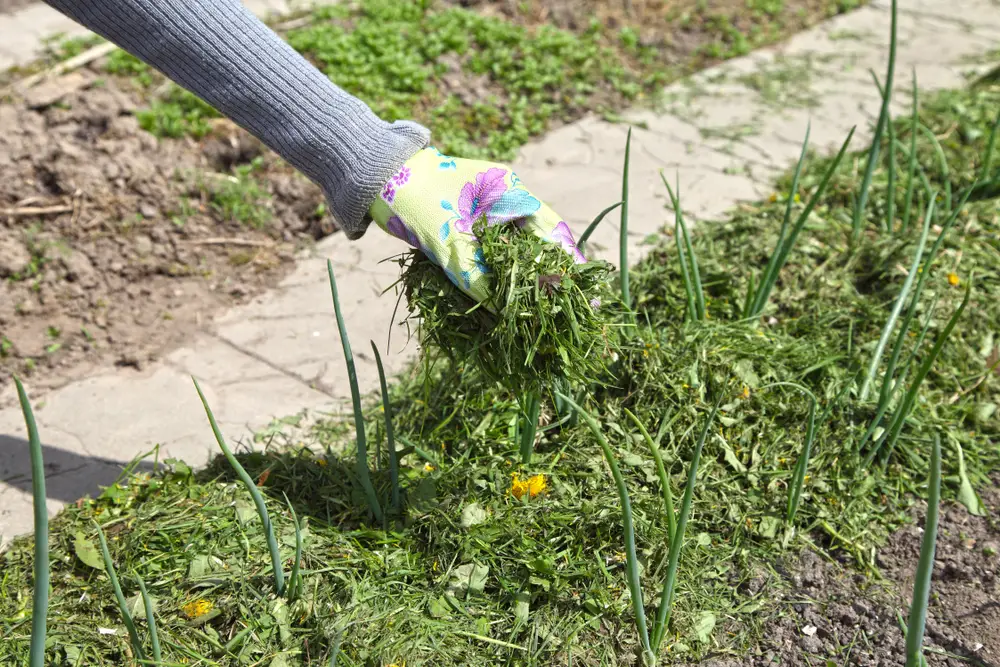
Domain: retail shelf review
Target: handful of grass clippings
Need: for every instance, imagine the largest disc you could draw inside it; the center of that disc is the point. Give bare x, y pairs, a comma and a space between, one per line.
547, 320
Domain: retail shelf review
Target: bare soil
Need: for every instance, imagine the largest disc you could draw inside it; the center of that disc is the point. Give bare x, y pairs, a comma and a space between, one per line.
833, 615
110, 247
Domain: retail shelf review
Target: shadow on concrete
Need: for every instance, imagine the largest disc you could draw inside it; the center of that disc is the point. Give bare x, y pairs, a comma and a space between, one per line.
68, 476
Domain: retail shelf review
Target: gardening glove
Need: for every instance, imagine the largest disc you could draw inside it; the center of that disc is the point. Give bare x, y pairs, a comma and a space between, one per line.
433, 201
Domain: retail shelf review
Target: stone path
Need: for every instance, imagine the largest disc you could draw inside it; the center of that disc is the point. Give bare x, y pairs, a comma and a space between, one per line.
728, 132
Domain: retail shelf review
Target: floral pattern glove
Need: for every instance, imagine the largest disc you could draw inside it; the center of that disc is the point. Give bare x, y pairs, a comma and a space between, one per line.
433, 201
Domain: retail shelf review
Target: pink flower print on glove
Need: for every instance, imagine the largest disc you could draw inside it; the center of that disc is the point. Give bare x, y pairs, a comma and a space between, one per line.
389, 192
398, 228
477, 198
564, 237
402, 176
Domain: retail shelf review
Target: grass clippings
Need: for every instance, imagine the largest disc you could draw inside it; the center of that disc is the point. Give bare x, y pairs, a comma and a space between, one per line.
547, 321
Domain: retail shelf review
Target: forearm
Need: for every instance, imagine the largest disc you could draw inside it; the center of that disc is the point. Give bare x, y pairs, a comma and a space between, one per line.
219, 51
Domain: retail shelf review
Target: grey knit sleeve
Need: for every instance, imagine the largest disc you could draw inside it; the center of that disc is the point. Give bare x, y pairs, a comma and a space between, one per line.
221, 52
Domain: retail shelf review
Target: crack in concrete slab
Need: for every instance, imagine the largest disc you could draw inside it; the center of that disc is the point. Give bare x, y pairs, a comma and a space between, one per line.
259, 358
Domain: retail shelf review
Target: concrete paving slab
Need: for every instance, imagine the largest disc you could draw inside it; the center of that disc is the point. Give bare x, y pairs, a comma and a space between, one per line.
728, 131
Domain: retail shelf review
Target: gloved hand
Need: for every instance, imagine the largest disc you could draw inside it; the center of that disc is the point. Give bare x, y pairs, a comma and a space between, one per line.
433, 201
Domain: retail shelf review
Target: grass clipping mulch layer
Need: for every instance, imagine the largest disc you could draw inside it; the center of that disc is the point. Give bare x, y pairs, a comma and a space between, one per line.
547, 320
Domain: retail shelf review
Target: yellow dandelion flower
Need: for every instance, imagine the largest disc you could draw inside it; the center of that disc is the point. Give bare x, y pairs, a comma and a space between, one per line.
197, 608
953, 279
773, 198
321, 463
429, 467
532, 486
746, 392
537, 484
518, 486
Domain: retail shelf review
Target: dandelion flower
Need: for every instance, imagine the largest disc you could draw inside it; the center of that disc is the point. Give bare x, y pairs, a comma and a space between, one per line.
536, 485
429, 467
746, 392
518, 486
953, 279
197, 608
532, 486
321, 463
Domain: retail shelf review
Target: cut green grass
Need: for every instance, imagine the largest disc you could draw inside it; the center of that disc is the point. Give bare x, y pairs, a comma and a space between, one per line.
251, 488
126, 615
546, 321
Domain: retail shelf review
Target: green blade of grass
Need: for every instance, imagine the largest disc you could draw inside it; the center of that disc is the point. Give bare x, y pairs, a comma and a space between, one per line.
751, 293
890, 200
942, 163
903, 410
771, 269
529, 427
251, 487
582, 243
335, 651
883, 119
897, 308
911, 168
359, 418
781, 254
631, 560
925, 272
986, 187
154, 635
661, 472
692, 309
925, 565
689, 262
109, 568
389, 435
295, 579
890, 385
699, 293
40, 594
801, 466
990, 148
667, 596
623, 230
